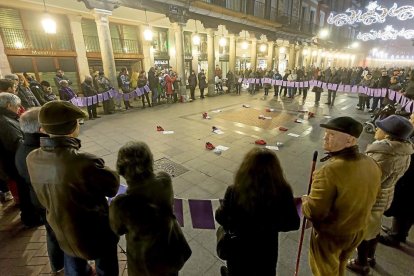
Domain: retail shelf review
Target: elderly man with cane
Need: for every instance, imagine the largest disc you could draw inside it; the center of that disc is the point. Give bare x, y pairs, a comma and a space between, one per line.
342, 194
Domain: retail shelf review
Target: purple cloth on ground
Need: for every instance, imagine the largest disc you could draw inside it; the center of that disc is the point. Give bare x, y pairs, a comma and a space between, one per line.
178, 211
201, 211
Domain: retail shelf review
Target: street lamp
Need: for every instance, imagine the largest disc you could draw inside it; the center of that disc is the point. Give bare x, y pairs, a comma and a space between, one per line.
48, 24
148, 35
355, 44
245, 45
262, 48
324, 33
222, 42
196, 37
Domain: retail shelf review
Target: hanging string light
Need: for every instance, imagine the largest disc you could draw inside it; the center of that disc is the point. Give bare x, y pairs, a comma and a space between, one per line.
374, 14
389, 33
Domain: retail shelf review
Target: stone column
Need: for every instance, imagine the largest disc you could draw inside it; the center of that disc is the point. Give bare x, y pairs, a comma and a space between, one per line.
148, 60
270, 49
232, 53
300, 57
105, 43
75, 22
179, 50
292, 57
4, 64
211, 59
276, 55
253, 54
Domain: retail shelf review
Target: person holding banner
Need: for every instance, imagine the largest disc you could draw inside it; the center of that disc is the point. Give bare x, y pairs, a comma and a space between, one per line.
65, 92
363, 98
383, 83
276, 76
334, 80
92, 97
342, 194
255, 209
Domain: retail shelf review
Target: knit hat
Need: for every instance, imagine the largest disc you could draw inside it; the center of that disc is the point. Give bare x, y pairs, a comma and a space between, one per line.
346, 125
396, 126
59, 117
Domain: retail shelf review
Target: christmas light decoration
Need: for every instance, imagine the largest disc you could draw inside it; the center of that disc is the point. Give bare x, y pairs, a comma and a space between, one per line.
389, 33
374, 14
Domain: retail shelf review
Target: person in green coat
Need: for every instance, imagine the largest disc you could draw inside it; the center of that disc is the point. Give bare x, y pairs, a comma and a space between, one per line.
342, 194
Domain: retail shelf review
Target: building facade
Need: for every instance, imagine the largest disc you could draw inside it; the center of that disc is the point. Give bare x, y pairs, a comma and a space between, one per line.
96, 35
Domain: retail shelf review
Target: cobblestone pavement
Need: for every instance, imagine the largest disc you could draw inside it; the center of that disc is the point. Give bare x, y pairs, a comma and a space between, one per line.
205, 175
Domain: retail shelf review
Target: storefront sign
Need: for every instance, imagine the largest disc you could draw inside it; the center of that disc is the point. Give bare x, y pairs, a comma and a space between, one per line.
161, 62
43, 53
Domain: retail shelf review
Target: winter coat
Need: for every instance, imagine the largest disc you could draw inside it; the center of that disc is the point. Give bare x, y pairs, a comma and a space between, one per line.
169, 81
58, 78
134, 80
394, 159
257, 231
384, 82
401, 205
366, 83
88, 89
142, 81
192, 80
409, 90
343, 192
66, 94
10, 139
202, 83
37, 91
153, 80
73, 186
140, 215
30, 143
27, 97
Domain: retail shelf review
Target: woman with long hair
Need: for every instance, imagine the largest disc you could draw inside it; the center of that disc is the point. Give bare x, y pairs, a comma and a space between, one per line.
255, 209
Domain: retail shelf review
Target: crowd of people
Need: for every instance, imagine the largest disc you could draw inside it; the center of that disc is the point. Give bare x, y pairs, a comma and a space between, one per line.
66, 190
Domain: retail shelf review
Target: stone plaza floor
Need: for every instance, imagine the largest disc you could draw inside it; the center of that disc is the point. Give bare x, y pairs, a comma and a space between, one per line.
204, 174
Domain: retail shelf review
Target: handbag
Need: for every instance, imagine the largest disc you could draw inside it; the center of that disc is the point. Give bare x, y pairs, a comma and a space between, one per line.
178, 250
227, 243
227, 240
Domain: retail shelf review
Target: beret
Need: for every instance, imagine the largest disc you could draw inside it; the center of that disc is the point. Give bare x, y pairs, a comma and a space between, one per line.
396, 126
59, 117
346, 125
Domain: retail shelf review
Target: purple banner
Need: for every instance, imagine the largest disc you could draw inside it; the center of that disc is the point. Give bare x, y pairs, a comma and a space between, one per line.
201, 212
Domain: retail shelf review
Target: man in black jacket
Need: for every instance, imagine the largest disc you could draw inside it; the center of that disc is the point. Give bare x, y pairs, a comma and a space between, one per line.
90, 92
32, 131
153, 82
73, 186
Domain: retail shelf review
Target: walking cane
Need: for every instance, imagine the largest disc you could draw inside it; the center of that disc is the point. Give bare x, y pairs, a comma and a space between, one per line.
302, 233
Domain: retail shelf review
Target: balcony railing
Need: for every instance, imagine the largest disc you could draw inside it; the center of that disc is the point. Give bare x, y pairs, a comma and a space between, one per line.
20, 39
290, 22
119, 46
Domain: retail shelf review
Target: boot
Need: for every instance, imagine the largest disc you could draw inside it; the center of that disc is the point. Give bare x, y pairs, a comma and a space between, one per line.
372, 247
360, 264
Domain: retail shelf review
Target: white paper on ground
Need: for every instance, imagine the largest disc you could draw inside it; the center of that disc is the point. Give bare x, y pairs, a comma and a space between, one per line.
272, 147
168, 132
222, 148
216, 111
294, 135
246, 105
267, 117
327, 116
218, 131
299, 120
